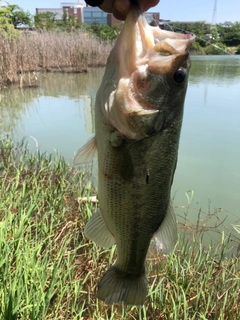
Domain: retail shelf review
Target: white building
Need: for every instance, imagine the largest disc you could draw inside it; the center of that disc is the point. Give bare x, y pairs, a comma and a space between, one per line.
78, 4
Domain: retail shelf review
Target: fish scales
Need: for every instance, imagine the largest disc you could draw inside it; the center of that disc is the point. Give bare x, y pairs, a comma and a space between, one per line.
145, 204
138, 118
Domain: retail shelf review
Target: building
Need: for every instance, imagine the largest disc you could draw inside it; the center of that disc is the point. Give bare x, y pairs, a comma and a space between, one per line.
91, 14
58, 12
79, 4
72, 8
87, 14
75, 8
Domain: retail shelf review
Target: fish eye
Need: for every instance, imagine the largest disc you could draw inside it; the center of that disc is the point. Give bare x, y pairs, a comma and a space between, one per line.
179, 76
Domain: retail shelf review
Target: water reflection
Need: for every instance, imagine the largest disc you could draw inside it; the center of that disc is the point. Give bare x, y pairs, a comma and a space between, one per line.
14, 105
59, 113
220, 70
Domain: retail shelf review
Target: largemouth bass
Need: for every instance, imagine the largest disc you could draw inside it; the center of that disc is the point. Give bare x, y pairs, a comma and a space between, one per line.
138, 114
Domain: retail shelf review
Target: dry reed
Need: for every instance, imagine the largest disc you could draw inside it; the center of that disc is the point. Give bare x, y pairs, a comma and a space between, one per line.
22, 57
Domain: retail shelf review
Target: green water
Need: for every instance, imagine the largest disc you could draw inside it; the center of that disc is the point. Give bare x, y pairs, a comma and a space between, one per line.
59, 114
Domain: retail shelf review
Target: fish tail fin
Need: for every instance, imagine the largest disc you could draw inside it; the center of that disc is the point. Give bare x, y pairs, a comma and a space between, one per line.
117, 286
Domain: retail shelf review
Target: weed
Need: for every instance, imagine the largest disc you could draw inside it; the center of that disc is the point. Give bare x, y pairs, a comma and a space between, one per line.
49, 270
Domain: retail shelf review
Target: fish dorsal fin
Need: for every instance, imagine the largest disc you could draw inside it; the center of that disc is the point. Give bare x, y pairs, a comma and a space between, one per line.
166, 235
97, 231
86, 153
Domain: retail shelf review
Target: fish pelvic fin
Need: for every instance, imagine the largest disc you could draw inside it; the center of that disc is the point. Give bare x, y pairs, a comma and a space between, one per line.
117, 286
86, 153
97, 231
166, 235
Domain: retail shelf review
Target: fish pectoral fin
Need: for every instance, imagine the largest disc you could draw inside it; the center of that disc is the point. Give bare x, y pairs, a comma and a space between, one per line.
97, 231
117, 286
86, 153
166, 235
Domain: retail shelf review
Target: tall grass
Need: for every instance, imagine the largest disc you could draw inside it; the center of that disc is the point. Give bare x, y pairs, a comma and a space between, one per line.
22, 57
49, 270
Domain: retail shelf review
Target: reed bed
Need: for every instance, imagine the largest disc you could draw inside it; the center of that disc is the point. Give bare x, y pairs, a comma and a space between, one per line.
49, 270
22, 57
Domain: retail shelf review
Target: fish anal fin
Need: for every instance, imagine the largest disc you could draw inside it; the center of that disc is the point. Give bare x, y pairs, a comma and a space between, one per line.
117, 286
97, 231
166, 235
86, 153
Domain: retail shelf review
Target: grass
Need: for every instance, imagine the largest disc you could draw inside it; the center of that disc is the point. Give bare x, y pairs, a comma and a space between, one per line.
48, 270
22, 57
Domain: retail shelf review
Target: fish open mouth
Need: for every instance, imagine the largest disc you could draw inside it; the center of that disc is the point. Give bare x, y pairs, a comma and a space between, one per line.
147, 59
149, 45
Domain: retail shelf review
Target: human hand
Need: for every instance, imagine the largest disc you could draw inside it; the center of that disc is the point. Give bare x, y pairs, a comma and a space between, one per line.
120, 8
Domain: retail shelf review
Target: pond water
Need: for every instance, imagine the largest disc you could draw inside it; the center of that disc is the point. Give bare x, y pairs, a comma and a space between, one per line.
59, 114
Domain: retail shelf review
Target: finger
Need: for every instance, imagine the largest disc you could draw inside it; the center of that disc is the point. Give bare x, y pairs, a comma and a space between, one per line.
121, 8
107, 6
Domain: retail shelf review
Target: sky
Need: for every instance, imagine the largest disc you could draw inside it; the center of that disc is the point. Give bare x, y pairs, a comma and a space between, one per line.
174, 10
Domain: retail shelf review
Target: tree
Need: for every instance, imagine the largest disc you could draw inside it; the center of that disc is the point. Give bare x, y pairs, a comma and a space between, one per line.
229, 33
103, 32
4, 15
15, 15
68, 22
45, 20
6, 28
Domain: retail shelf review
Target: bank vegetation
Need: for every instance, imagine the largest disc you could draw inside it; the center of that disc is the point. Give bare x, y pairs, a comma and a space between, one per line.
22, 56
49, 270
